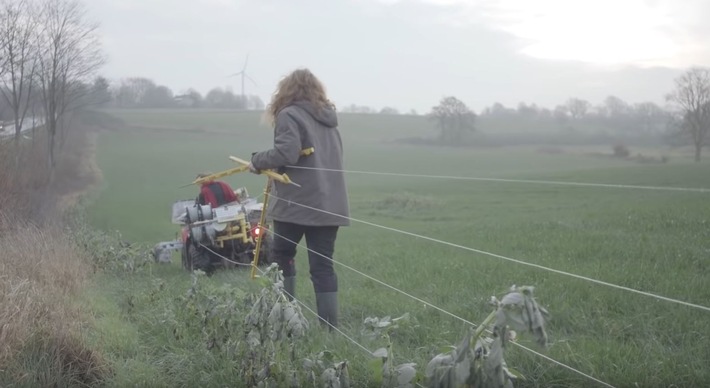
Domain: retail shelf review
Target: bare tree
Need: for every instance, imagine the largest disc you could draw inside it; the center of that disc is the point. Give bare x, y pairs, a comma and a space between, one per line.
132, 92
17, 33
453, 118
615, 107
194, 97
577, 107
692, 98
69, 55
561, 114
650, 116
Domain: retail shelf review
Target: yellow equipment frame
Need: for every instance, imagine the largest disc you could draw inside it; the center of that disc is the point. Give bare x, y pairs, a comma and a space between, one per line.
241, 230
235, 232
262, 222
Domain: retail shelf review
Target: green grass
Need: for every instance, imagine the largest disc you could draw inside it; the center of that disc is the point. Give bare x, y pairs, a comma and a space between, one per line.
656, 241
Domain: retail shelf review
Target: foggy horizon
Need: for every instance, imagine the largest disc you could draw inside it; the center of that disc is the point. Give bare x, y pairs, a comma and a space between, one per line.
408, 54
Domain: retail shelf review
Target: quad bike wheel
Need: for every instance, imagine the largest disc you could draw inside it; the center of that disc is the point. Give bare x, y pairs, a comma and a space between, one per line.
185, 258
198, 258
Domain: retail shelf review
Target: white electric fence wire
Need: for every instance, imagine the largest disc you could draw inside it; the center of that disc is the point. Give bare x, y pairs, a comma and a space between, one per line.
375, 280
612, 285
439, 309
503, 180
231, 261
331, 325
298, 301
369, 353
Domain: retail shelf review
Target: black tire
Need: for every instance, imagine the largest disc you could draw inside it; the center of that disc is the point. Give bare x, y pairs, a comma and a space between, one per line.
185, 257
199, 259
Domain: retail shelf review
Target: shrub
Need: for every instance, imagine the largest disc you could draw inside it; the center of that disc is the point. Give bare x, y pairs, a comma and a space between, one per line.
621, 151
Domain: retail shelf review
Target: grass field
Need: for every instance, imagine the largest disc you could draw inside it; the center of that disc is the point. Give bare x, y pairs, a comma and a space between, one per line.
651, 240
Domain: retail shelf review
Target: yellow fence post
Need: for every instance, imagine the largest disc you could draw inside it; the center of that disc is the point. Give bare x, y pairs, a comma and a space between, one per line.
262, 222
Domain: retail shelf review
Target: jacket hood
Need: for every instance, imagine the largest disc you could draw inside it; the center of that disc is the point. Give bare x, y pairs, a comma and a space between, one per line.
325, 116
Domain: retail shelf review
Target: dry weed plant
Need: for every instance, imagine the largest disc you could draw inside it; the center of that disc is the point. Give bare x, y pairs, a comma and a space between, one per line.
41, 271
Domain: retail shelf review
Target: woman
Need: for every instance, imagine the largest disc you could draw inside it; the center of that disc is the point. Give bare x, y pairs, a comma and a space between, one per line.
303, 117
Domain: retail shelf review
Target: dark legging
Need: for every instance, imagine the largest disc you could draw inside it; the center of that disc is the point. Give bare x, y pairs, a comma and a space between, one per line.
320, 239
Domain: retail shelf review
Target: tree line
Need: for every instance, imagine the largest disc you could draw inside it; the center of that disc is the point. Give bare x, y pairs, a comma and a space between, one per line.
685, 117
139, 92
613, 111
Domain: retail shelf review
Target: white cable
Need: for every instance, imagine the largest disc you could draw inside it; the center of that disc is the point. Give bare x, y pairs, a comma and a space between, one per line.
331, 325
667, 299
231, 261
421, 301
503, 180
439, 309
375, 280
299, 302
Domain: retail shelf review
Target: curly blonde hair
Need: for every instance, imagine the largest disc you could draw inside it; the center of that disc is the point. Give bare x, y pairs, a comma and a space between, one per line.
300, 85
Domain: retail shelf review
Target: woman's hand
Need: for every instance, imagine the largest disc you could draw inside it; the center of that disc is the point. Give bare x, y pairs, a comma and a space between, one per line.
253, 169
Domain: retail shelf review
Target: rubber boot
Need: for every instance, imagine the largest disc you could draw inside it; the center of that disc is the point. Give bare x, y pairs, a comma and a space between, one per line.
327, 305
290, 287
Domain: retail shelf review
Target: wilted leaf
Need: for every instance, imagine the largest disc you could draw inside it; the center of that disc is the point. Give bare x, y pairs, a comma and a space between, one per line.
439, 361
276, 313
289, 311
443, 378
513, 298
343, 374
494, 364
384, 322
462, 370
519, 310
330, 379
462, 349
253, 339
381, 352
536, 321
405, 373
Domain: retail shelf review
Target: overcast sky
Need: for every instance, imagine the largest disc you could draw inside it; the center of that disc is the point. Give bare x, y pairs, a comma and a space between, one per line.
410, 53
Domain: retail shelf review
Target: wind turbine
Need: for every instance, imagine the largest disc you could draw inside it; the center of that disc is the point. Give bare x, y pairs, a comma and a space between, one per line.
243, 73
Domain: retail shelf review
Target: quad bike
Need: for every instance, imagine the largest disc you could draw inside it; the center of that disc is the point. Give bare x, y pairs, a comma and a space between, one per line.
225, 236
220, 237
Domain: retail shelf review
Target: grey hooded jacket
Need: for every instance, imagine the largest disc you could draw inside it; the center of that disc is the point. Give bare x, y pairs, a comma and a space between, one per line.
300, 126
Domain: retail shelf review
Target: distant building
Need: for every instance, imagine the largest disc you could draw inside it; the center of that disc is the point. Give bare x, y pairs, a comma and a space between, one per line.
185, 101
